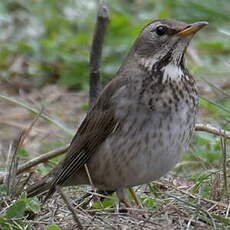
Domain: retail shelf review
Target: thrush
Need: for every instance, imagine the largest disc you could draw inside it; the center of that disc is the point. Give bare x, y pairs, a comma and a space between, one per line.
142, 121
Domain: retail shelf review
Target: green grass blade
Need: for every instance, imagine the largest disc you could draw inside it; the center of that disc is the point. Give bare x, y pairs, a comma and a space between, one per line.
36, 111
216, 104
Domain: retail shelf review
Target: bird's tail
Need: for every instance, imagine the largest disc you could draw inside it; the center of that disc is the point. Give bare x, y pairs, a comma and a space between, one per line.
38, 189
44, 186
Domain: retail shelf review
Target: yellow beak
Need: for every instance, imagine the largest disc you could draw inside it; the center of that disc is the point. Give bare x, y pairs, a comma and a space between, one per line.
192, 28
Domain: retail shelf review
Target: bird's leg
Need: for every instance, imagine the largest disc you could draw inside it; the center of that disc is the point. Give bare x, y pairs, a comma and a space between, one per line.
122, 195
136, 199
126, 203
138, 202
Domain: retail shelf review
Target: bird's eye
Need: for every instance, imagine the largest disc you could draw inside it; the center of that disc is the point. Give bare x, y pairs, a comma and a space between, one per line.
161, 30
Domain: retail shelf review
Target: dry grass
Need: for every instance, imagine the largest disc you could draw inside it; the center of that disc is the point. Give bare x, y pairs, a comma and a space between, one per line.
175, 207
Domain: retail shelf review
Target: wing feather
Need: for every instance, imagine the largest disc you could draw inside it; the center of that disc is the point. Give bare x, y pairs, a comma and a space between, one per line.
97, 125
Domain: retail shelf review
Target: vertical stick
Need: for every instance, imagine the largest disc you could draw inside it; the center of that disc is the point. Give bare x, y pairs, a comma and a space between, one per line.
96, 51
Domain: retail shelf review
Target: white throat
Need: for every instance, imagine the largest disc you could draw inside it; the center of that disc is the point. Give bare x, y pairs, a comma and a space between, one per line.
173, 72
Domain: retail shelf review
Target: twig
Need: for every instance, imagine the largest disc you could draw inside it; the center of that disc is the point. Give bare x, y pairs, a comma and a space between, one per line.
192, 195
211, 216
210, 129
64, 197
91, 182
24, 183
11, 176
227, 211
224, 151
96, 51
88, 174
42, 158
38, 160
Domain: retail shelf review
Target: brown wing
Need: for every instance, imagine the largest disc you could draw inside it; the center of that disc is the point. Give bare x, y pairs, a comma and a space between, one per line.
97, 125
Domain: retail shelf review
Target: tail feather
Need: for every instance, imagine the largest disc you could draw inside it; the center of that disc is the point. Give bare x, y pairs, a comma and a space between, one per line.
38, 189
44, 186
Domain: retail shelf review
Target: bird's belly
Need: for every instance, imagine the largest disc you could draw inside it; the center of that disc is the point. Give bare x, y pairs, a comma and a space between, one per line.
141, 152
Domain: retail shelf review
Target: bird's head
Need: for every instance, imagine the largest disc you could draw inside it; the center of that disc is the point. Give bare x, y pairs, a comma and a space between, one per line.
165, 40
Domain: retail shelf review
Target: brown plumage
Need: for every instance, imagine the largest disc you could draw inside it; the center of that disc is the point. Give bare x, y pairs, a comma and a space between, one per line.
142, 121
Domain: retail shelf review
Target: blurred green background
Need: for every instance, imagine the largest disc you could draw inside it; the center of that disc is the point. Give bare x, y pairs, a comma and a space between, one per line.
48, 41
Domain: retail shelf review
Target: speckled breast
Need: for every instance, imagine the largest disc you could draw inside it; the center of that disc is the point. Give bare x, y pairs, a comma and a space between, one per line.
148, 143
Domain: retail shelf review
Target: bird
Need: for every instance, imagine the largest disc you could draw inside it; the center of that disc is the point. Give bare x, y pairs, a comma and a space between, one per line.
142, 121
